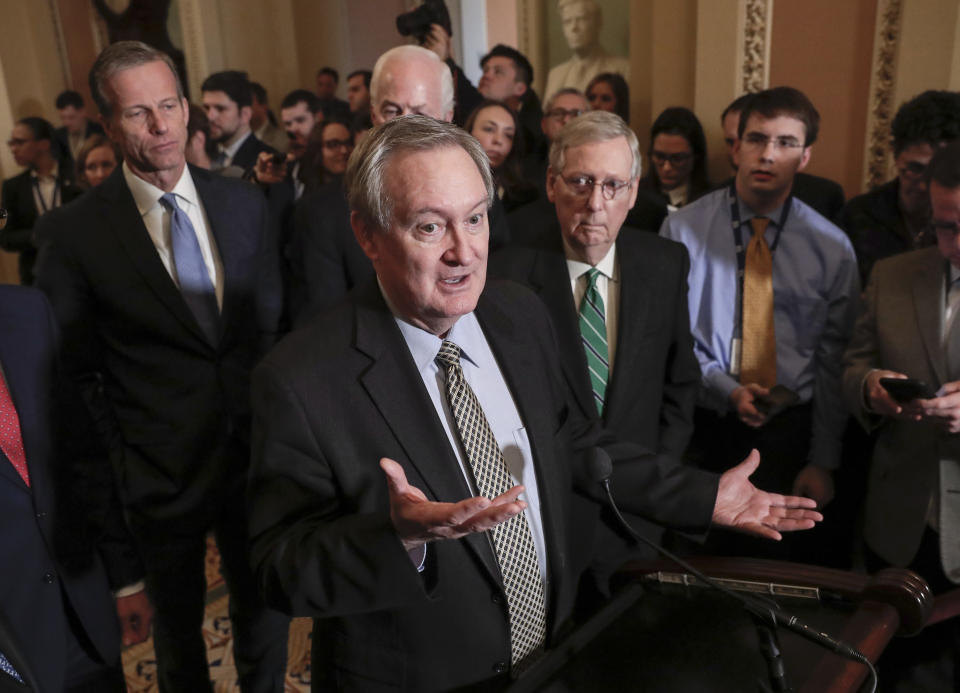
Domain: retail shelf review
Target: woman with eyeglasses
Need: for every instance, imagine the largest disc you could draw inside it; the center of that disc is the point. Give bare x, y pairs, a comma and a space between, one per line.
678, 158
328, 149
495, 126
609, 92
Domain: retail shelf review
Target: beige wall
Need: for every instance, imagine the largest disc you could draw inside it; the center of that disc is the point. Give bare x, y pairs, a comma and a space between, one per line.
830, 62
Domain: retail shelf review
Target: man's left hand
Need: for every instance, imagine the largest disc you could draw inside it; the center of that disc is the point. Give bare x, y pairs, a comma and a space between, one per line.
136, 614
814, 482
743, 507
945, 409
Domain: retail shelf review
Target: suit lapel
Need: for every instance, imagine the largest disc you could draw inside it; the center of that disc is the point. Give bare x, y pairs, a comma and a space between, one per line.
550, 279
394, 384
127, 225
219, 214
929, 302
632, 315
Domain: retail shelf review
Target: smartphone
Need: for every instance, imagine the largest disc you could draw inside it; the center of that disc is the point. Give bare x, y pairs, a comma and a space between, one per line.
905, 390
779, 398
278, 158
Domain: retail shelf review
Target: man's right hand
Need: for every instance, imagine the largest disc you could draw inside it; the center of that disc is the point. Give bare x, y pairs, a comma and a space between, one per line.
419, 521
743, 400
880, 402
266, 172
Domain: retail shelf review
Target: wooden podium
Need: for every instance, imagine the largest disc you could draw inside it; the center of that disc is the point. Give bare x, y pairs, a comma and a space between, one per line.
665, 631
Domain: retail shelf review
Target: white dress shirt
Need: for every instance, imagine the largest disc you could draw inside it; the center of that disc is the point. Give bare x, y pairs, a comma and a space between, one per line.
157, 220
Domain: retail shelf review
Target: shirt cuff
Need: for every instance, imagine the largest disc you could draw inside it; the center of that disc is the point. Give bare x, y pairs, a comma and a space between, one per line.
722, 383
129, 590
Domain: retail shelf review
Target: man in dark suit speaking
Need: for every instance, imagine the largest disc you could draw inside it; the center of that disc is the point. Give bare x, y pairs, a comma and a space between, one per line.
64, 544
167, 291
415, 455
617, 297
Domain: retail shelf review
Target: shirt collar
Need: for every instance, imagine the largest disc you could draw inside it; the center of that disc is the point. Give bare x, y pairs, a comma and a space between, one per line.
424, 346
232, 149
147, 195
576, 267
746, 214
54, 173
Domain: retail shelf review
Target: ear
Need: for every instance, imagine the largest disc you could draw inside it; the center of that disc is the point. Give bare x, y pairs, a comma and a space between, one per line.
735, 152
246, 112
364, 234
184, 106
318, 117
805, 159
519, 89
552, 183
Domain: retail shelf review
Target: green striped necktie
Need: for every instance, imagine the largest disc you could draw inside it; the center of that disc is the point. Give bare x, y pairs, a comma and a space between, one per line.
593, 334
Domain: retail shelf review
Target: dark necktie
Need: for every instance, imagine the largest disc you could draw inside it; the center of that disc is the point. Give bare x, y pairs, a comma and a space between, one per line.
758, 362
593, 334
512, 539
11, 439
195, 284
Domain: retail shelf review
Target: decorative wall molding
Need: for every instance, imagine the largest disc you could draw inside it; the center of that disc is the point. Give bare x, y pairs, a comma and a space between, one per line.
883, 73
758, 23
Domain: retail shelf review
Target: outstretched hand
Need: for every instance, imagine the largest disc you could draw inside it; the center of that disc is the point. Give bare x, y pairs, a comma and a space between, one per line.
743, 507
418, 520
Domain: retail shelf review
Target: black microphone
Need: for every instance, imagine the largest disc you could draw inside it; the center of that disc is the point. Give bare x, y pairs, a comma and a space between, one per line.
601, 469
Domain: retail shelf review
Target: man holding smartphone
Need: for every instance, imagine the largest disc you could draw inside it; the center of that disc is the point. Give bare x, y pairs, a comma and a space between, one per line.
908, 337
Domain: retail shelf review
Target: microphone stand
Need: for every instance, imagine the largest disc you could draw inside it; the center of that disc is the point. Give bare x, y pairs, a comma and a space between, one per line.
765, 612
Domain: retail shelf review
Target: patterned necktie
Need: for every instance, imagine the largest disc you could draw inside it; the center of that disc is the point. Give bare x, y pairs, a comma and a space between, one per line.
195, 284
512, 539
11, 440
7, 668
593, 334
758, 362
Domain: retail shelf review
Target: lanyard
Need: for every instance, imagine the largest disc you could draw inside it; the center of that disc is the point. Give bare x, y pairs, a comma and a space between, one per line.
53, 198
741, 250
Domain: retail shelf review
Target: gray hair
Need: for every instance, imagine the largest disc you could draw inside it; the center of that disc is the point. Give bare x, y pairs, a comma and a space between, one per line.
595, 126
119, 56
364, 178
548, 106
414, 54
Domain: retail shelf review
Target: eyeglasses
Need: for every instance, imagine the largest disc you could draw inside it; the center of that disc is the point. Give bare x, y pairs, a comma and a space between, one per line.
337, 144
584, 185
17, 142
677, 159
913, 169
563, 113
757, 140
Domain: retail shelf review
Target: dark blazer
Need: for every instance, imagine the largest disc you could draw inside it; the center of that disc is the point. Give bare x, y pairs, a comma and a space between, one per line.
339, 394
876, 227
324, 257
653, 388
246, 156
48, 530
176, 407
62, 140
17, 199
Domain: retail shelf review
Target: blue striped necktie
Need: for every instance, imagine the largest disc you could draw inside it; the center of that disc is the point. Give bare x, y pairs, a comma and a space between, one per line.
593, 334
195, 284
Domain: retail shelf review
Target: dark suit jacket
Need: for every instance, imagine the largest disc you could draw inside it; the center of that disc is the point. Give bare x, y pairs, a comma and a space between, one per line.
176, 410
63, 143
876, 227
48, 530
339, 394
653, 388
246, 155
324, 257
17, 199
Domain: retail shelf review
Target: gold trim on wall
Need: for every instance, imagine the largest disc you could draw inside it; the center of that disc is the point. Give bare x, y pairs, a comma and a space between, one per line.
882, 86
758, 22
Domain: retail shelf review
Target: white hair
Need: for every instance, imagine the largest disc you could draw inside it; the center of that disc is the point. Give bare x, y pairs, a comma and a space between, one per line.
410, 53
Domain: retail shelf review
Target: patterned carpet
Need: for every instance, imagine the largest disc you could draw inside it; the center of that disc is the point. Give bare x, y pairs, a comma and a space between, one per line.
139, 664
